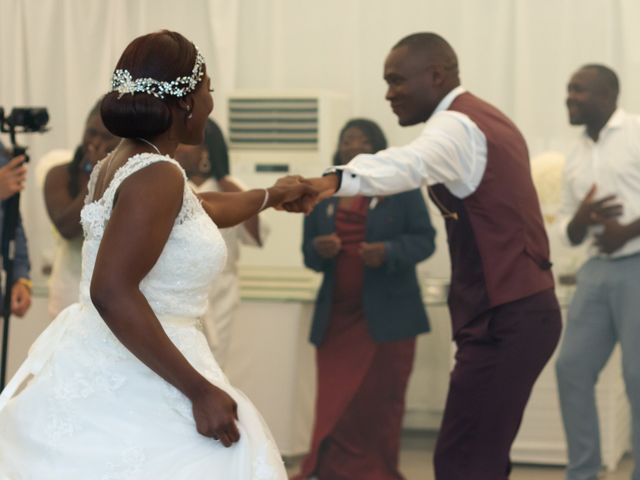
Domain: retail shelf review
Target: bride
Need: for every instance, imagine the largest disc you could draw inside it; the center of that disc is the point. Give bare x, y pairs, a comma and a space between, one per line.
122, 385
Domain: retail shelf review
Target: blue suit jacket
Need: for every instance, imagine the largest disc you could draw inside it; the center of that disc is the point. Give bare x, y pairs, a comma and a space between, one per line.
392, 300
21, 265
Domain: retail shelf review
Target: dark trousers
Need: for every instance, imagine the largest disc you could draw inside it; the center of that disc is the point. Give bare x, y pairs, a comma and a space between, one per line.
499, 357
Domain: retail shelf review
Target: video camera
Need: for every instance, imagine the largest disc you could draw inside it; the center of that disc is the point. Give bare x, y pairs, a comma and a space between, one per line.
23, 120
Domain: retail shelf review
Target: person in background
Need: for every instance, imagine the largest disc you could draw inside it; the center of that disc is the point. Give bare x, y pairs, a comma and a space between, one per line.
207, 168
13, 175
65, 189
601, 206
368, 312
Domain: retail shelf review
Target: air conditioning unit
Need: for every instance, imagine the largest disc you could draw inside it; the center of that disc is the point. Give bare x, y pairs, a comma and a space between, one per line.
272, 134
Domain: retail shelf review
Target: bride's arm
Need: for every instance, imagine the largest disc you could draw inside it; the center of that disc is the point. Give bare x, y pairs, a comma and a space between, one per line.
227, 209
137, 231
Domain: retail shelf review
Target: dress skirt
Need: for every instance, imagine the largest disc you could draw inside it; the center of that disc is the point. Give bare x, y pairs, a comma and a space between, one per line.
92, 410
361, 384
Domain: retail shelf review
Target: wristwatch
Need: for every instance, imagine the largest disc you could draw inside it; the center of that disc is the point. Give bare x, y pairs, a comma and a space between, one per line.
337, 172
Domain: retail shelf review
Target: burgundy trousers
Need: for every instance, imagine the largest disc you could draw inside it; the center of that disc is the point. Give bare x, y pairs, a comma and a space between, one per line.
499, 357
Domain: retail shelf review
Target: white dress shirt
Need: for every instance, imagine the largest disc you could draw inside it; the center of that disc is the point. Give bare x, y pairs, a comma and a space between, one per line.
613, 165
451, 150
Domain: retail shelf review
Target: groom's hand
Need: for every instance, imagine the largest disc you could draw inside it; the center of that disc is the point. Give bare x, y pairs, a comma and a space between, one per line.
323, 186
292, 189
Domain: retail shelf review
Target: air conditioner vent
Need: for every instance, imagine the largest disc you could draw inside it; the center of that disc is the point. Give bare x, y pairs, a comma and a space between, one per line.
273, 123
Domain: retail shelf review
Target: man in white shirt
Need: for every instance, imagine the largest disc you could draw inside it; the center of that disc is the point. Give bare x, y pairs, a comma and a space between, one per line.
600, 205
505, 316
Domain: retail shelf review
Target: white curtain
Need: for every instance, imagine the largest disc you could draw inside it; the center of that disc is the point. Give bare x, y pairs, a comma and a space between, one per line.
518, 54
60, 54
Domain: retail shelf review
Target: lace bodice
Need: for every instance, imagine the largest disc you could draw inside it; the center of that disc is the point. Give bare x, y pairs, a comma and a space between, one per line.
195, 252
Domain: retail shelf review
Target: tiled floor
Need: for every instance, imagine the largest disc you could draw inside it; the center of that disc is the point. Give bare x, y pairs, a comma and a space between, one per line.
417, 449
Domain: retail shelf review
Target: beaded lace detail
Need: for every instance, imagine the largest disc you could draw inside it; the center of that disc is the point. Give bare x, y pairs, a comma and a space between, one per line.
96, 212
179, 282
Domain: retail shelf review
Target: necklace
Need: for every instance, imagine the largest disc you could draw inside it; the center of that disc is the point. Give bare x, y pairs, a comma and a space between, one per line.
149, 143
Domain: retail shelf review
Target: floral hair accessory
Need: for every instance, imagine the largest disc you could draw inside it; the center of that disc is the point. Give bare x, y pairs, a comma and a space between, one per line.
123, 83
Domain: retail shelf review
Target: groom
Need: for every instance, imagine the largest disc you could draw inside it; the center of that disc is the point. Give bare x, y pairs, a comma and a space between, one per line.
506, 319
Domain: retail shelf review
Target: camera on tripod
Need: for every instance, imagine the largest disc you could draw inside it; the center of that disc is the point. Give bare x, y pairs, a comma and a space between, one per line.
23, 120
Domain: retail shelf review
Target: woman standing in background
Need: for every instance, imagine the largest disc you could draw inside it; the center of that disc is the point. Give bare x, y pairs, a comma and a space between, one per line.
65, 189
368, 312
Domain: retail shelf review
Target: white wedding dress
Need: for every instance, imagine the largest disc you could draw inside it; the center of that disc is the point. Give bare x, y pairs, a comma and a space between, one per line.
92, 411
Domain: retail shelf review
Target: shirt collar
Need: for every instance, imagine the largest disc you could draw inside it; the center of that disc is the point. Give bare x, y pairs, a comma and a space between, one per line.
615, 120
446, 102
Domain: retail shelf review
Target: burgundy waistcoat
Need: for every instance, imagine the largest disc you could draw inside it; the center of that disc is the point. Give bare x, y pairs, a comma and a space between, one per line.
498, 245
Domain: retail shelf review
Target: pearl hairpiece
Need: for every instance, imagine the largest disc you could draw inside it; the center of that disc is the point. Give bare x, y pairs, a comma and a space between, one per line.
123, 83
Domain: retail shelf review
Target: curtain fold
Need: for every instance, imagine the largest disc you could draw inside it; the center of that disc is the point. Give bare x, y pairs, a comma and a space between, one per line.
60, 54
518, 54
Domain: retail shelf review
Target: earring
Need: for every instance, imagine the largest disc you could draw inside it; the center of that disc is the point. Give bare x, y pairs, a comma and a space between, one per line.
190, 116
204, 165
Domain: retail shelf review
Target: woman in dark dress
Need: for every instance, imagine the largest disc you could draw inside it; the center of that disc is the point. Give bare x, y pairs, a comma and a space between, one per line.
368, 312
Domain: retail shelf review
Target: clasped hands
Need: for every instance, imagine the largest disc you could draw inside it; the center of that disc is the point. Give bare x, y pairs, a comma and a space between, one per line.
604, 213
294, 193
302, 195
329, 246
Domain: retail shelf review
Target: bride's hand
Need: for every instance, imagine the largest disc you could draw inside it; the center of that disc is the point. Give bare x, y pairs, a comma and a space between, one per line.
292, 188
215, 413
323, 186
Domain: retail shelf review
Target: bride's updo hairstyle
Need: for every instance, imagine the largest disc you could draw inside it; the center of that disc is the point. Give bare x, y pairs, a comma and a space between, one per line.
154, 71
